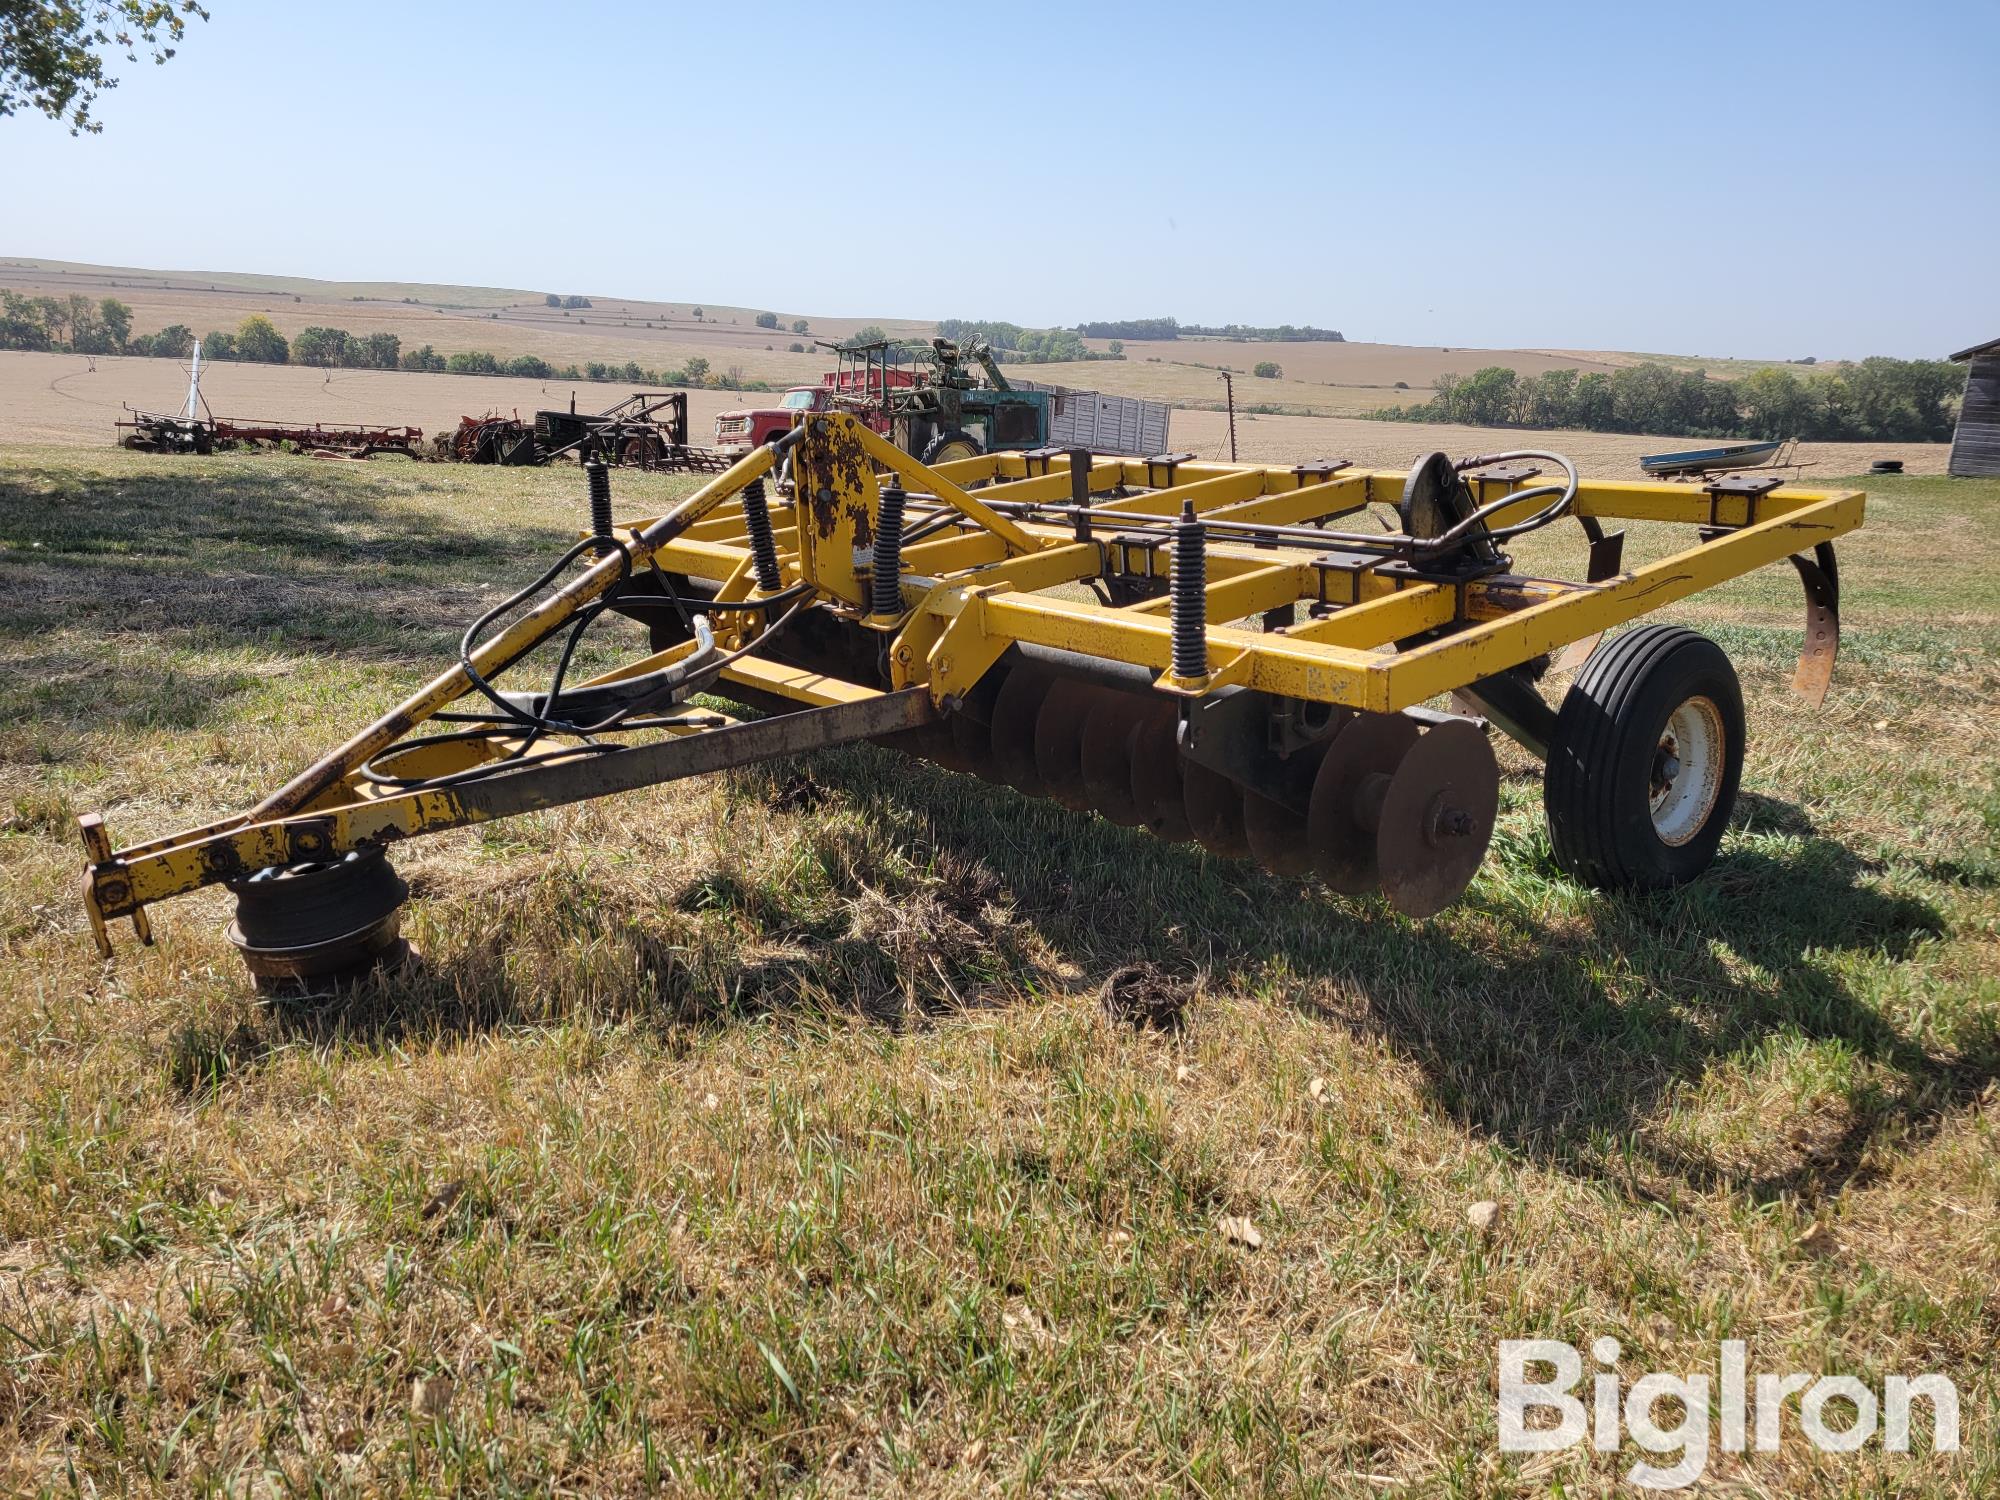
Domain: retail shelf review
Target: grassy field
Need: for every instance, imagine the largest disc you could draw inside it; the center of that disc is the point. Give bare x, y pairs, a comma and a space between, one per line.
765, 1132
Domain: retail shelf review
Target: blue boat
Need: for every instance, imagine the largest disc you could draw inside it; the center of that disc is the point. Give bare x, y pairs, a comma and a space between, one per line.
1707, 460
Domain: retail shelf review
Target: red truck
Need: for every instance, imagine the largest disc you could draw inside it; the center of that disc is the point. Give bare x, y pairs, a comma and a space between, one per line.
737, 432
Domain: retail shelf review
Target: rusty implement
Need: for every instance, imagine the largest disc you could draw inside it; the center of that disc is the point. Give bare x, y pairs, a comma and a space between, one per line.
646, 430
1230, 656
155, 432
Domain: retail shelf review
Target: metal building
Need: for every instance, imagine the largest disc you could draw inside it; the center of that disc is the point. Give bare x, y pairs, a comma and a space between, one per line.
1975, 446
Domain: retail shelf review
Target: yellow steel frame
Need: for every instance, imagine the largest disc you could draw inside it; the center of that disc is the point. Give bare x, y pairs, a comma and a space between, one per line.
982, 582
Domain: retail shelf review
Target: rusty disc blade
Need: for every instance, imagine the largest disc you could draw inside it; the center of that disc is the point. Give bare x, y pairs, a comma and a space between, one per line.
1437, 819
1275, 832
934, 742
1059, 741
1157, 793
1109, 732
1340, 824
971, 724
1015, 708
1214, 810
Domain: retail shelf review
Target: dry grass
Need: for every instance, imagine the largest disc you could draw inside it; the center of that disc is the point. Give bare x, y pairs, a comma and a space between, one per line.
767, 1132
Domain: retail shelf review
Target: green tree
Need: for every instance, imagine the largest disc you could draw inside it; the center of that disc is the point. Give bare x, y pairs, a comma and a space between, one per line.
426, 360
55, 317
381, 351
1549, 397
1590, 407
327, 347
1903, 398
21, 323
799, 325
869, 335
258, 340
1267, 369
175, 341
695, 372
1487, 396
552, 300
116, 319
472, 362
795, 348
697, 314
218, 345
767, 320
52, 52
86, 327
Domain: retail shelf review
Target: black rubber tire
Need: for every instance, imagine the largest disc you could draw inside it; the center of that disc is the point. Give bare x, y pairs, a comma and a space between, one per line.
954, 435
1598, 785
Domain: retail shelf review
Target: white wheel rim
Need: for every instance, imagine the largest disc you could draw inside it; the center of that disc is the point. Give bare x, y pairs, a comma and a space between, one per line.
1686, 776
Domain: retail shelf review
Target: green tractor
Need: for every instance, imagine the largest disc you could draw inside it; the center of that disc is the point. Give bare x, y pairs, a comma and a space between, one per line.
943, 412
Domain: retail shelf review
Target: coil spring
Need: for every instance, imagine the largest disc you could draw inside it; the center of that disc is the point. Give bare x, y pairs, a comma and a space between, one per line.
1188, 585
763, 545
888, 591
598, 477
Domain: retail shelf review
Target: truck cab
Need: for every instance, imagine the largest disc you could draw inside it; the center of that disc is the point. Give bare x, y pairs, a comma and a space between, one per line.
737, 432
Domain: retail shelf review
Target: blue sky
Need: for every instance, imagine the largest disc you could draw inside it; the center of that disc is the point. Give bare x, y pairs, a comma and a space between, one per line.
1749, 179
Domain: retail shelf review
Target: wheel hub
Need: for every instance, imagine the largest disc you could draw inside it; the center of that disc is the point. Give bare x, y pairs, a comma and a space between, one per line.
1687, 770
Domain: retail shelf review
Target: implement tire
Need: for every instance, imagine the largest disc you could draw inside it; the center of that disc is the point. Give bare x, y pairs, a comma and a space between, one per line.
1645, 761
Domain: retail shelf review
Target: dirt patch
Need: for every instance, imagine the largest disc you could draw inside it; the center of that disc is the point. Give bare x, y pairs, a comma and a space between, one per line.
1146, 998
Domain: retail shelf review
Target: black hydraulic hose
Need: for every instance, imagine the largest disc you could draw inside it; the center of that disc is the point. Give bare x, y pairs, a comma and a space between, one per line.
621, 720
507, 708
713, 606
1565, 494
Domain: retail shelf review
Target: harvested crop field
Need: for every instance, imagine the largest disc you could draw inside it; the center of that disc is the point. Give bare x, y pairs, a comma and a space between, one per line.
850, 1126
60, 398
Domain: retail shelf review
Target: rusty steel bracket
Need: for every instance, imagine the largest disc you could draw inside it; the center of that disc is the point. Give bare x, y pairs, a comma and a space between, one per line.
106, 875
1821, 575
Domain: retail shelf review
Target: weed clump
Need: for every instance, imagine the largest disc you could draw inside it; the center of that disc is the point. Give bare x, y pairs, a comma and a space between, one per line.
1146, 998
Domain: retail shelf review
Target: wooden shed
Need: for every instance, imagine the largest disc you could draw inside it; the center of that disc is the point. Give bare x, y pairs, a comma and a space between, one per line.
1975, 447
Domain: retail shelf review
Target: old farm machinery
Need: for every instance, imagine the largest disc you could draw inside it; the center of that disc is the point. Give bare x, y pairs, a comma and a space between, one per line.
197, 429
155, 432
1199, 649
646, 430
928, 398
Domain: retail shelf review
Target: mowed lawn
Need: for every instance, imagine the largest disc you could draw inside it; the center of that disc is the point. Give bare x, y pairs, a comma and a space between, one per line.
765, 1131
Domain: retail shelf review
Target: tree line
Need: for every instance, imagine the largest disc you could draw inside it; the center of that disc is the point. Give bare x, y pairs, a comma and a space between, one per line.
74, 323
77, 325
1167, 329
1879, 399
1013, 344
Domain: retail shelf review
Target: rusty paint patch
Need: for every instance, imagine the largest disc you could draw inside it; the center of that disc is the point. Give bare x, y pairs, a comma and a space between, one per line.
838, 466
